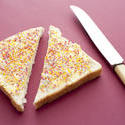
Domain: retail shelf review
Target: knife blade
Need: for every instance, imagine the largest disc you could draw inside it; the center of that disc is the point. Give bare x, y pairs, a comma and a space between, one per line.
101, 42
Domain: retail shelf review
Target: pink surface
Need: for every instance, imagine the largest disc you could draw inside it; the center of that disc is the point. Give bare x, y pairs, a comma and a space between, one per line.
99, 102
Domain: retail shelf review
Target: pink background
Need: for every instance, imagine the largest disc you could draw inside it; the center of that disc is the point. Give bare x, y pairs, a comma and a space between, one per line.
99, 102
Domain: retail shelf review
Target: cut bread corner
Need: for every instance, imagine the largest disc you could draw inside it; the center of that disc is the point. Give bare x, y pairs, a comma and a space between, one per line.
66, 67
19, 105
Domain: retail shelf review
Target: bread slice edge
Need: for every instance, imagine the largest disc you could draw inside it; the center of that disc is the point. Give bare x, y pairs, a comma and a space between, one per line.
51, 97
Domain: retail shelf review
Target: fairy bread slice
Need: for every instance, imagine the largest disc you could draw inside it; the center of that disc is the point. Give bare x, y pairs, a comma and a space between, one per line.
66, 66
17, 54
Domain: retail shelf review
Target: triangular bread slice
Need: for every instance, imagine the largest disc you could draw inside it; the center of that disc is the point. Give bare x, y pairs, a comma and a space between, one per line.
17, 54
66, 66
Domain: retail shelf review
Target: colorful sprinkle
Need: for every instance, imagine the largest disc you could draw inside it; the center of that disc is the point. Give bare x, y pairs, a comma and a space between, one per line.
63, 59
15, 58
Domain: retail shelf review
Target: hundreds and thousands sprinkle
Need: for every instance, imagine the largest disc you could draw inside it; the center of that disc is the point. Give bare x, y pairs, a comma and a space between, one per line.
16, 54
63, 59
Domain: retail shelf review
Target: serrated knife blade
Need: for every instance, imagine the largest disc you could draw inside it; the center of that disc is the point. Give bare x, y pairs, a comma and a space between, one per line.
101, 42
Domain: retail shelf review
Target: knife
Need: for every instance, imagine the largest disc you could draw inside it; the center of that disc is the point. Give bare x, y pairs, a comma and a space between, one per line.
101, 42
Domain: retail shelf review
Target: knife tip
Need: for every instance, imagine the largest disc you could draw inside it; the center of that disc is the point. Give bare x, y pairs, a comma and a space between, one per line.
71, 6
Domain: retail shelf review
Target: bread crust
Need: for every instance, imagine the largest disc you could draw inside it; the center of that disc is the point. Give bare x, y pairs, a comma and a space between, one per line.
17, 106
68, 88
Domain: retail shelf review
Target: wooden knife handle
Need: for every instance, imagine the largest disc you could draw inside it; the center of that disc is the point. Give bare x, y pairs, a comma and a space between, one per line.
120, 71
